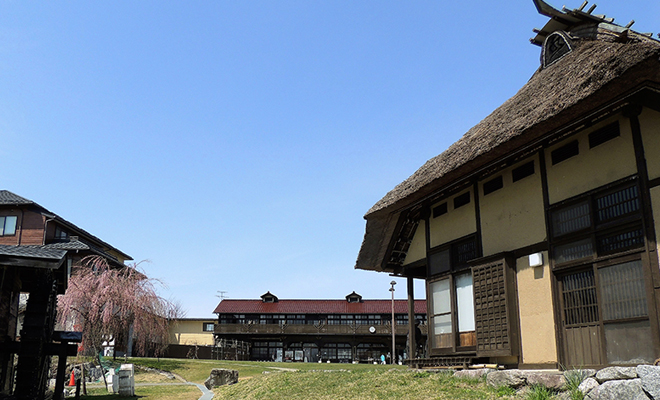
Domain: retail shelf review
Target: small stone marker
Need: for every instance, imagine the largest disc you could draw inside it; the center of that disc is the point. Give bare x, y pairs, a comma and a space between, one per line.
220, 377
126, 380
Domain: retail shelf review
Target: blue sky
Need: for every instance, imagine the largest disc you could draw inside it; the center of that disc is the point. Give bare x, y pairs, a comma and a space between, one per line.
237, 145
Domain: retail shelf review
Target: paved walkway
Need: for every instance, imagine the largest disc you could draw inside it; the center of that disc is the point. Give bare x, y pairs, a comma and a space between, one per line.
206, 394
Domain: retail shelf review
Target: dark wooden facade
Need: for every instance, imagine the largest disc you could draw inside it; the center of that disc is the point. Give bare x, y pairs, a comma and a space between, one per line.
351, 330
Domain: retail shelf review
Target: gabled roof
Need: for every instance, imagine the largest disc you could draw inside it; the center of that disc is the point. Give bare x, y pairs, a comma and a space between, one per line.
231, 306
38, 252
603, 66
75, 244
8, 198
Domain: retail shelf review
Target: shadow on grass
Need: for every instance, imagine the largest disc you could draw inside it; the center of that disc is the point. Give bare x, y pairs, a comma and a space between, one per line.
109, 397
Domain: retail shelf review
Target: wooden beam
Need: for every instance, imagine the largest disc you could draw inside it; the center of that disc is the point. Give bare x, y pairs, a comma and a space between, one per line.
412, 344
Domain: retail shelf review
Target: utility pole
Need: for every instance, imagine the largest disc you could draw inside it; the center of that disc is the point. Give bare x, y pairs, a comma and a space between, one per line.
393, 323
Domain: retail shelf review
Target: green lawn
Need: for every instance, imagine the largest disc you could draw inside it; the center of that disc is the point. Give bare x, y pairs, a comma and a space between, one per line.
359, 383
198, 370
267, 380
183, 392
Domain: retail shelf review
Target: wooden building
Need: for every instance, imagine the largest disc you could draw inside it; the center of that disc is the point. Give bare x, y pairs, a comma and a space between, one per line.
37, 250
25, 223
346, 330
536, 232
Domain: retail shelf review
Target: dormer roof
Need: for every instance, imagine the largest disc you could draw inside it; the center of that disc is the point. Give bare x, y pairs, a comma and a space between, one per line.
354, 298
268, 297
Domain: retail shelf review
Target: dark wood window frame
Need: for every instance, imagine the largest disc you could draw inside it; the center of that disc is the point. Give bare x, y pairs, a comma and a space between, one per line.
615, 236
604, 134
60, 234
457, 255
3, 223
522, 171
592, 236
440, 210
583, 308
493, 185
457, 265
462, 199
563, 153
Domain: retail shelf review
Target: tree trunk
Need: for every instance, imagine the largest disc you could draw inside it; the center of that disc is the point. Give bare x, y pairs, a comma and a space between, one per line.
98, 357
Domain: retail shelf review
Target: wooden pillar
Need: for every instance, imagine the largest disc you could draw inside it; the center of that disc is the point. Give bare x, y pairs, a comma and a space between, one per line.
412, 345
61, 369
9, 299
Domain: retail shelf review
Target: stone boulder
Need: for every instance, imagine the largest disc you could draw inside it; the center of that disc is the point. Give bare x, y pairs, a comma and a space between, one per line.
220, 377
472, 373
629, 389
512, 378
650, 376
616, 373
588, 385
550, 381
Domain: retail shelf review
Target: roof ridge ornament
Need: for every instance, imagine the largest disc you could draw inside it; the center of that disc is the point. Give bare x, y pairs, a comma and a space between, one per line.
556, 46
565, 19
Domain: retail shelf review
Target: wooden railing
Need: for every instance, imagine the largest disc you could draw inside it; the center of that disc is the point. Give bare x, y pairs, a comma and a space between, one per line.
320, 329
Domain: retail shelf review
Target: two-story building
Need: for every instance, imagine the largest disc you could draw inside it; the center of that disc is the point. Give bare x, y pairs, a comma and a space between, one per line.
37, 250
536, 232
345, 330
26, 223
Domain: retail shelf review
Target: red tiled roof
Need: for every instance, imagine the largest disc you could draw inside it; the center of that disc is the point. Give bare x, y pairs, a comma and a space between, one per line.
229, 306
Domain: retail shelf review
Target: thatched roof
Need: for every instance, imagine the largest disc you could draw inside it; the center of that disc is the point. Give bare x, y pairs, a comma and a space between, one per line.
596, 71
590, 66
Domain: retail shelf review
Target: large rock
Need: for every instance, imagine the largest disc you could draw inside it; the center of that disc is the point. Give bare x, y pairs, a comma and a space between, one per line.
513, 378
616, 373
472, 373
220, 377
550, 381
628, 389
650, 376
588, 385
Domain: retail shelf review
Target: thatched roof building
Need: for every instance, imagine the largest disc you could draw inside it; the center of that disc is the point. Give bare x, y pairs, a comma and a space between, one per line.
603, 66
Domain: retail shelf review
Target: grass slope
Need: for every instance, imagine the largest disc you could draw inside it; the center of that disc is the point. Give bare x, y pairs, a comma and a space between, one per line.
365, 384
182, 392
272, 381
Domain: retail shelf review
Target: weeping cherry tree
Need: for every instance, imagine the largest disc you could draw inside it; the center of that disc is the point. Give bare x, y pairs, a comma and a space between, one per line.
109, 303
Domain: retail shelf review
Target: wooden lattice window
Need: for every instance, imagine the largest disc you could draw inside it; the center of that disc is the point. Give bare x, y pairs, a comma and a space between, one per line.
614, 242
605, 314
599, 224
494, 305
620, 203
571, 219
453, 257
579, 295
622, 290
465, 251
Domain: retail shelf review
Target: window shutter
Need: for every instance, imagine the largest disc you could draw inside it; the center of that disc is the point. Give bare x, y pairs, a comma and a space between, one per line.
495, 309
